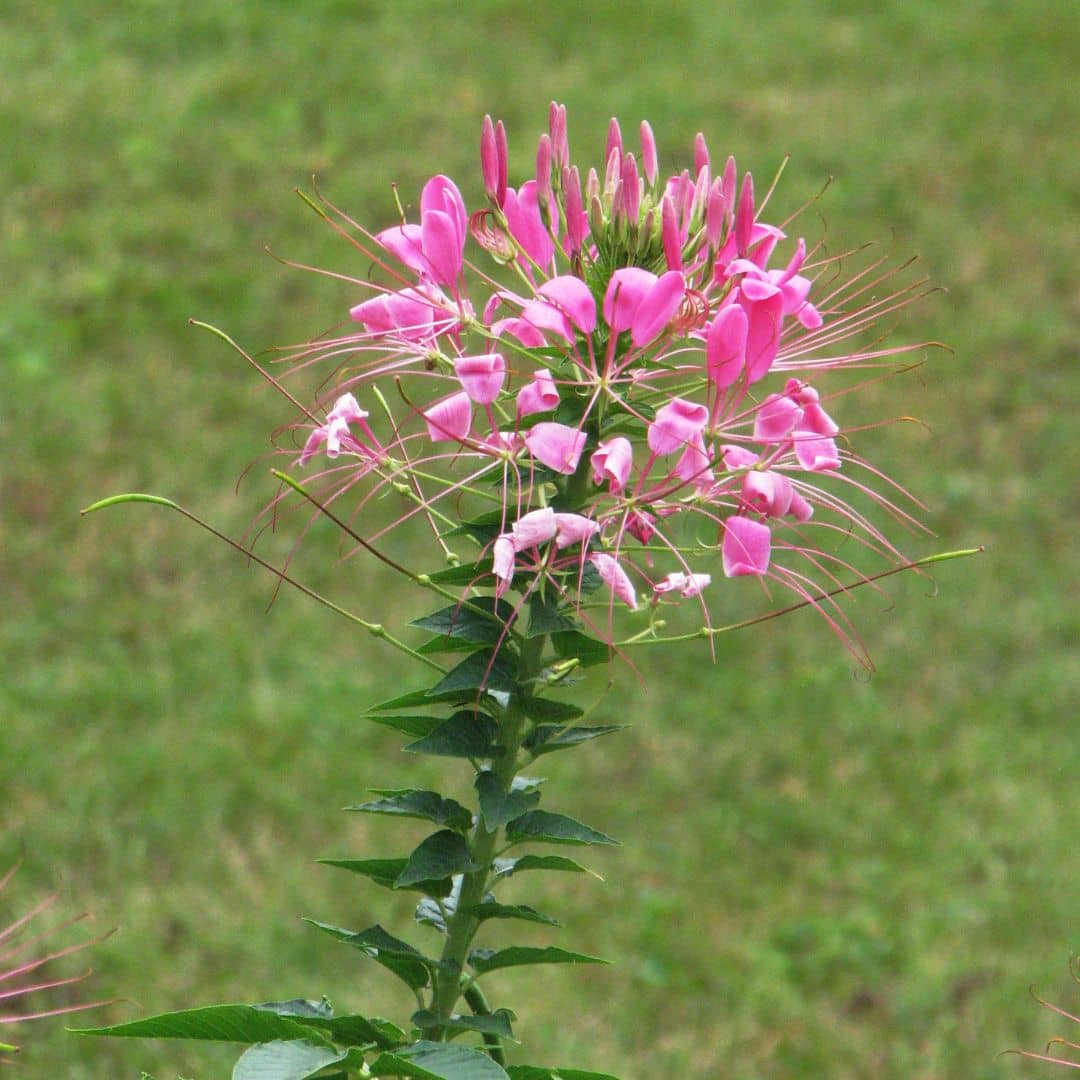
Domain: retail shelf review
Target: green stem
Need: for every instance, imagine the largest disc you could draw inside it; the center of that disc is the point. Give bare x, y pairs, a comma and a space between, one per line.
474, 998
462, 926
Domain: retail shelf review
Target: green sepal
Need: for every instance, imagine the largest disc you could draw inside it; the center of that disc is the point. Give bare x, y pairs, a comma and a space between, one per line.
385, 872
547, 738
415, 803
398, 957
287, 1060
547, 710
498, 807
467, 734
489, 909
542, 825
438, 1061
441, 855
507, 867
575, 645
494, 1023
484, 960
483, 670
539, 1072
463, 621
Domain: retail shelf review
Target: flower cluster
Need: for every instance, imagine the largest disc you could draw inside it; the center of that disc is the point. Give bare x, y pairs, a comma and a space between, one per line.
594, 407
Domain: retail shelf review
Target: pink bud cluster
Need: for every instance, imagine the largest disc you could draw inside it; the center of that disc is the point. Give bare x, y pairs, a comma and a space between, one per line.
608, 372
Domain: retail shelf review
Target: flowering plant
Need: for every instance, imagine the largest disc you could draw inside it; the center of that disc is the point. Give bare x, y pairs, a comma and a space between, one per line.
616, 411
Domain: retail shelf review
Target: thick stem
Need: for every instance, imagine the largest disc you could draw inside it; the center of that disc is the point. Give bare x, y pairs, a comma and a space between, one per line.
462, 926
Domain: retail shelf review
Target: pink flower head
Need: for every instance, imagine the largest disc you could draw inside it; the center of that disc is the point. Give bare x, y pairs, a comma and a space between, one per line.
677, 424
615, 578
482, 376
538, 395
335, 433
688, 585
747, 547
612, 461
450, 419
557, 446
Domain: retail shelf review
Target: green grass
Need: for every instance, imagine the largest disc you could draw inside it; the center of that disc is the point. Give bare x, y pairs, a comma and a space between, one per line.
825, 874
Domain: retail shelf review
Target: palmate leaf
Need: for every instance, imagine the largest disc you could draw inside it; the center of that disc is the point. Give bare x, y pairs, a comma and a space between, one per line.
415, 803
467, 734
441, 855
484, 960
539, 1072
547, 738
438, 1061
499, 807
543, 826
495, 1023
293, 1060
385, 872
398, 957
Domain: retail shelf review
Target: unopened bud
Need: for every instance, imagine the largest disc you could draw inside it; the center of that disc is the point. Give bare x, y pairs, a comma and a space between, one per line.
649, 162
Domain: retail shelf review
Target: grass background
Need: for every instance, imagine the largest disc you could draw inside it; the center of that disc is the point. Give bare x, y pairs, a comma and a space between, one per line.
825, 874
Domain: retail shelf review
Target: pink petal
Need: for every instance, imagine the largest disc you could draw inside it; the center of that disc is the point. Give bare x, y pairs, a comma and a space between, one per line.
767, 492
522, 210
614, 576
649, 163
747, 547
738, 457
405, 243
489, 158
449, 419
688, 585
762, 334
641, 525
677, 423
482, 376
534, 528
574, 529
523, 330
776, 419
573, 298
441, 194
557, 446
503, 560
626, 289
612, 461
670, 234
694, 466
347, 408
540, 395
442, 246
657, 308
816, 453
725, 346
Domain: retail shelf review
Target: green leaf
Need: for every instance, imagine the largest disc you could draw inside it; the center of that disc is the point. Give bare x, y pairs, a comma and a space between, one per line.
482, 670
495, 1023
547, 738
211, 1023
499, 807
588, 650
351, 1030
293, 1060
414, 803
484, 960
441, 855
385, 872
469, 624
416, 726
541, 825
482, 529
428, 913
538, 1072
398, 957
467, 734
506, 867
438, 1061
549, 711
489, 909
465, 574
546, 617
299, 1007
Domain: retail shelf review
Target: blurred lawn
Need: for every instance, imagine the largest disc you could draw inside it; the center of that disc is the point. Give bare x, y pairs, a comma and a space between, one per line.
826, 874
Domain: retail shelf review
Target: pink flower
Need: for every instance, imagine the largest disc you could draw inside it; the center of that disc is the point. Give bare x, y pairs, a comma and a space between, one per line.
409, 313
612, 461
747, 547
555, 445
615, 578
639, 301
335, 432
482, 376
539, 395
